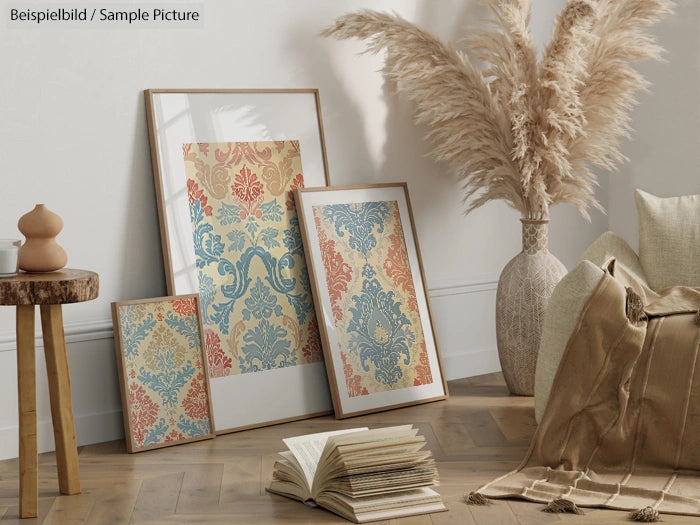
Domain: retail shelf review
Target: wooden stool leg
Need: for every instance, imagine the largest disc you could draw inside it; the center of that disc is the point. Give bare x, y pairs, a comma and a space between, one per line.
61, 402
26, 393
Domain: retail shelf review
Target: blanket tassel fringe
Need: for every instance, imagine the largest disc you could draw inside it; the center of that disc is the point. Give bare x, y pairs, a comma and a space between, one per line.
474, 498
647, 514
634, 307
562, 505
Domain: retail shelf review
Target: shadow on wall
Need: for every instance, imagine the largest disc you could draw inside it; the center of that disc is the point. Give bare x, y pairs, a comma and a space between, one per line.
406, 150
347, 147
142, 257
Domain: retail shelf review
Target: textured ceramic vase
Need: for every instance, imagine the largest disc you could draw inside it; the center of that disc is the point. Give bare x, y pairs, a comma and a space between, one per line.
524, 288
41, 252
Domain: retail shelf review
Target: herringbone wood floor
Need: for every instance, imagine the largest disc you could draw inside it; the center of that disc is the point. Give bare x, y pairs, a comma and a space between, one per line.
478, 434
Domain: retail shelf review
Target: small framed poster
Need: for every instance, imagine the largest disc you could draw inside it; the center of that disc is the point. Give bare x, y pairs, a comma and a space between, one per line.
162, 377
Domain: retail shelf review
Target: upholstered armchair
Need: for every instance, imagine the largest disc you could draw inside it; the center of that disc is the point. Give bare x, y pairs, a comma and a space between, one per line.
669, 255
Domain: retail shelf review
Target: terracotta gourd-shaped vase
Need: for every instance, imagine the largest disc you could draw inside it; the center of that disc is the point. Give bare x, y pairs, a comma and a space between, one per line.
41, 252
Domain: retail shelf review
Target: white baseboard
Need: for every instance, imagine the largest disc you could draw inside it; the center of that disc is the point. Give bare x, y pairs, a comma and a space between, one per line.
469, 364
74, 331
94, 428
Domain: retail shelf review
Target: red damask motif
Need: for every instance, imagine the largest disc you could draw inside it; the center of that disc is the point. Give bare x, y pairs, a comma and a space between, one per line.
297, 182
248, 191
397, 266
143, 411
423, 374
219, 363
352, 380
312, 350
194, 193
185, 307
195, 402
246, 185
174, 435
338, 272
203, 147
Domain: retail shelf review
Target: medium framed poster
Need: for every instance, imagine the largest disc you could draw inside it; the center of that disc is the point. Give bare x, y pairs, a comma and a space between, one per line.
379, 343
225, 164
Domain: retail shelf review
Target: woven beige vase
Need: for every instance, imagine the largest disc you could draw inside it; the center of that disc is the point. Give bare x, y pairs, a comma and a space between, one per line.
524, 288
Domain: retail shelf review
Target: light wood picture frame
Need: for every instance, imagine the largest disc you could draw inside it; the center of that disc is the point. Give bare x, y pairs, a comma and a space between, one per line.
225, 162
372, 305
162, 377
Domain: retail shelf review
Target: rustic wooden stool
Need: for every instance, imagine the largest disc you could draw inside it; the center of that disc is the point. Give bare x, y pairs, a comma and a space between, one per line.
49, 291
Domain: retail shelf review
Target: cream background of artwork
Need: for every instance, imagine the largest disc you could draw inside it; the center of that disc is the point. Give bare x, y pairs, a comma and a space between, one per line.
74, 136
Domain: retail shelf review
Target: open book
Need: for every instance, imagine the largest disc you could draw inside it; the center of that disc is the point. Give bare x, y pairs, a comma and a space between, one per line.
360, 474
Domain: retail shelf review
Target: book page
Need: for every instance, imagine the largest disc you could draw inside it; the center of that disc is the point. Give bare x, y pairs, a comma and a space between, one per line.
308, 449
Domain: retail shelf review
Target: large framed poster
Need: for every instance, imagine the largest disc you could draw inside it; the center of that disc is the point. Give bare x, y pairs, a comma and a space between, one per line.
225, 164
371, 300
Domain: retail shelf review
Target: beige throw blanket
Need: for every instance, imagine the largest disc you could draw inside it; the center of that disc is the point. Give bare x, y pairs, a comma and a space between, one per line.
622, 425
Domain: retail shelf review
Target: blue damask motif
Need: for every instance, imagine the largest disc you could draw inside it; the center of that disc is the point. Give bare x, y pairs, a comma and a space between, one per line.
207, 245
380, 332
228, 214
368, 272
156, 434
134, 332
167, 381
267, 348
207, 292
261, 304
193, 428
237, 274
359, 221
185, 325
271, 211
292, 238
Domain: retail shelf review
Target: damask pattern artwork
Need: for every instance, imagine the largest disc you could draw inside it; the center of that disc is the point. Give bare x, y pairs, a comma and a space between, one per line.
164, 388
372, 296
257, 308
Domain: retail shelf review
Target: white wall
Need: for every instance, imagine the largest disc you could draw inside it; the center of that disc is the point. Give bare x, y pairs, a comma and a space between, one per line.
73, 136
665, 151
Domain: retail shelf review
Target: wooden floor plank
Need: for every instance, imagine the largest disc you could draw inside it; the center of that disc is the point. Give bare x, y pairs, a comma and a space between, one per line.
72, 510
158, 497
114, 504
495, 513
201, 489
241, 480
11, 517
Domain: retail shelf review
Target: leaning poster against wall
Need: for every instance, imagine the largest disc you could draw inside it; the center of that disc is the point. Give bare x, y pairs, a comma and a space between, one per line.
371, 300
225, 164
160, 360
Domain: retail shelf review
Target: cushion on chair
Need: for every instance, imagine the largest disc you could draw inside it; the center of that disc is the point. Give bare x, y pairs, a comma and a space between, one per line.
669, 239
560, 319
609, 245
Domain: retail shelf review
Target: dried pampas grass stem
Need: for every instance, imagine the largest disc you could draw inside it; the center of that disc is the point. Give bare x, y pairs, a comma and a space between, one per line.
522, 131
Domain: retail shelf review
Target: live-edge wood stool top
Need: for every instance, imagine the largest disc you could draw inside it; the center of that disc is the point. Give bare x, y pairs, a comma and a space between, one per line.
50, 291
60, 287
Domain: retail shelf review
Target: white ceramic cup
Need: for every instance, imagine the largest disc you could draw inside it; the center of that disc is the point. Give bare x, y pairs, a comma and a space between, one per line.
9, 256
